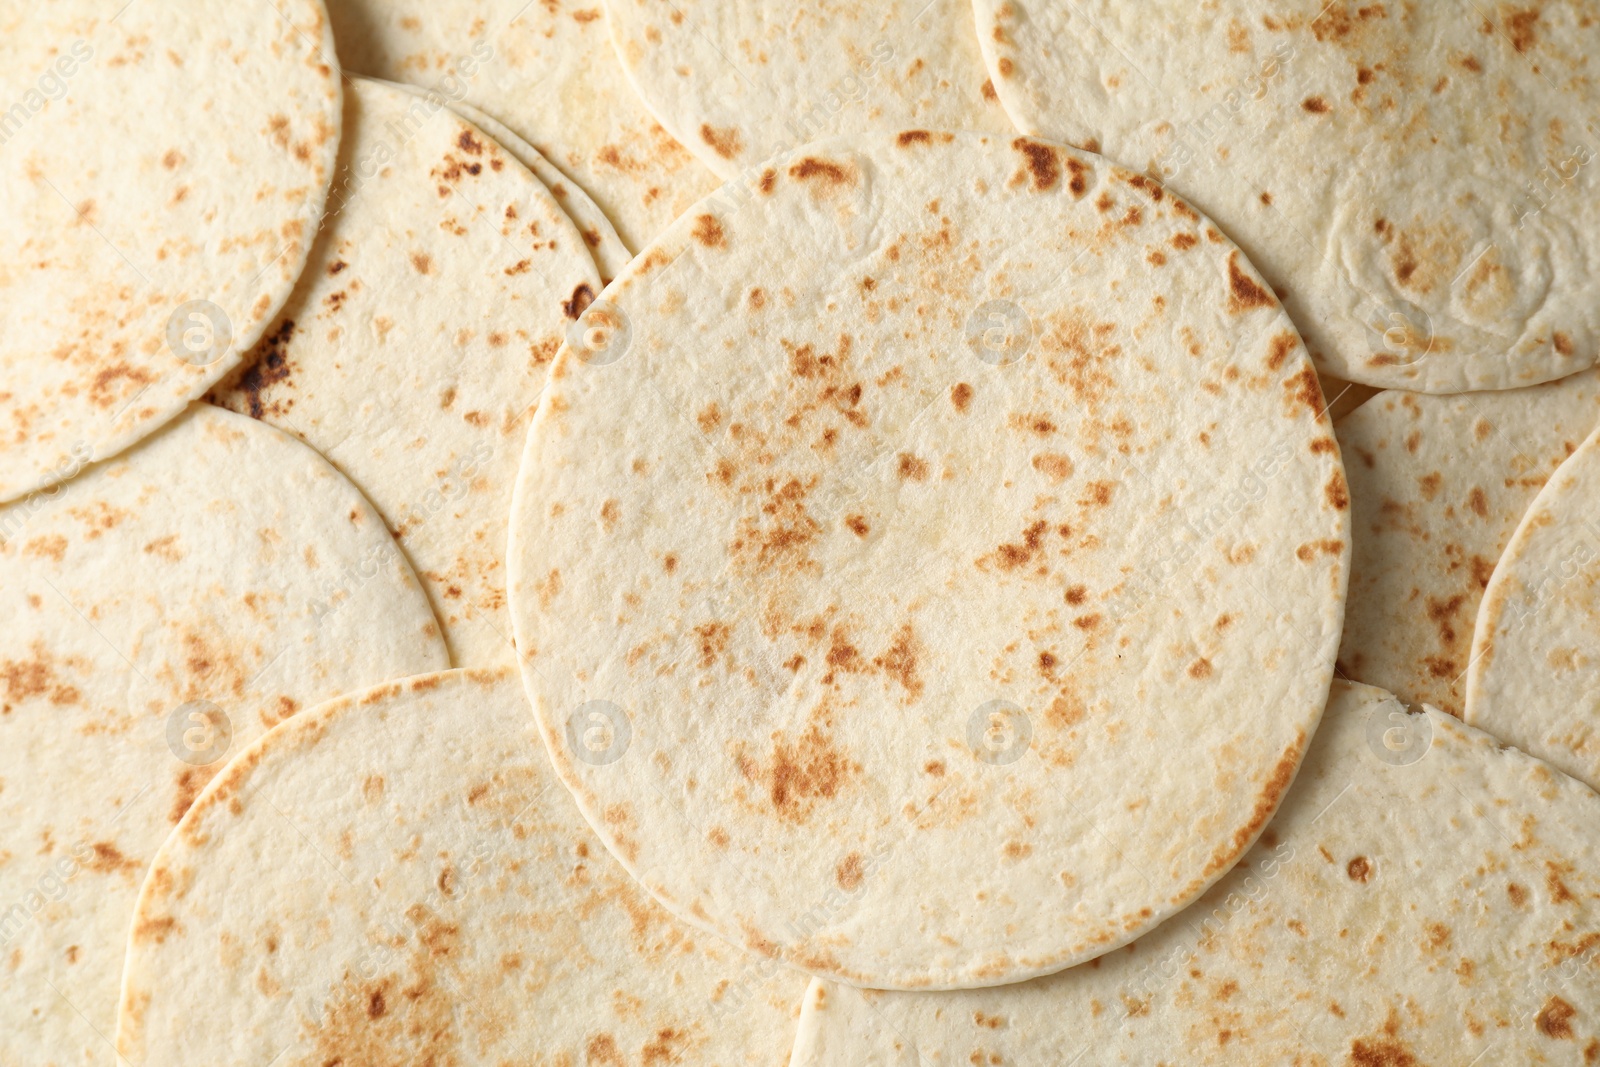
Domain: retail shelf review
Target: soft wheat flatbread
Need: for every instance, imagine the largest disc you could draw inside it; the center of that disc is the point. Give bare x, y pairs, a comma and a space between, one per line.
1416, 180
384, 888
1431, 898
610, 254
737, 83
1534, 679
546, 70
162, 169
1437, 485
446, 276
895, 514
162, 611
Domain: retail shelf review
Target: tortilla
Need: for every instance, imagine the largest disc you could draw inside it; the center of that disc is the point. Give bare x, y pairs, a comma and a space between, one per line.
1437, 485
161, 169
738, 83
163, 610
1534, 680
547, 71
610, 254
388, 892
1428, 215
1432, 900
869, 474
446, 274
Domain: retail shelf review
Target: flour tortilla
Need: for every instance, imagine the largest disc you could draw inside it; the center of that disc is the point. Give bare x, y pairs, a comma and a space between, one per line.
1433, 211
445, 275
1437, 485
218, 568
610, 254
1535, 677
1438, 903
798, 538
390, 891
162, 169
546, 70
737, 83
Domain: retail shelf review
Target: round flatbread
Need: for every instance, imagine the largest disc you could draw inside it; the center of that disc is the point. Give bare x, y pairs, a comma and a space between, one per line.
1429, 899
610, 254
737, 83
899, 510
162, 170
493, 273
1534, 679
389, 892
1437, 485
163, 610
547, 71
1427, 214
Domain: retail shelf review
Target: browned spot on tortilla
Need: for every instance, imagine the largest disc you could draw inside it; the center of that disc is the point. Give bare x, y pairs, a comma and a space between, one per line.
708, 231
1011, 556
1518, 895
713, 642
988, 91
189, 783
1478, 502
858, 525
758, 298
769, 180
106, 857
1559, 893
1283, 344
1053, 465
1359, 869
422, 262
1244, 293
1381, 1052
911, 468
910, 137
1316, 105
824, 170
1555, 1019
800, 772
1076, 594
1308, 551
961, 396
725, 141
1324, 446
1563, 343
1519, 27
710, 417
901, 660
1042, 162
1337, 492
1184, 241
1200, 668
153, 928
849, 872
581, 298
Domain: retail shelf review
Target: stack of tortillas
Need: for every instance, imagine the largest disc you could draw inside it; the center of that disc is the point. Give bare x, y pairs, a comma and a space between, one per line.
630, 533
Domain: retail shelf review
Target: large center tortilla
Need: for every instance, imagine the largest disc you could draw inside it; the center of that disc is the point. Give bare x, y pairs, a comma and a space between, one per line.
162, 170
930, 570
1416, 179
385, 891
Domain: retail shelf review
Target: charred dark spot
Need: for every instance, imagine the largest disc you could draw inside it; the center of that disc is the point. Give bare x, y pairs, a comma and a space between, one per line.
1359, 869
1043, 163
911, 137
581, 298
